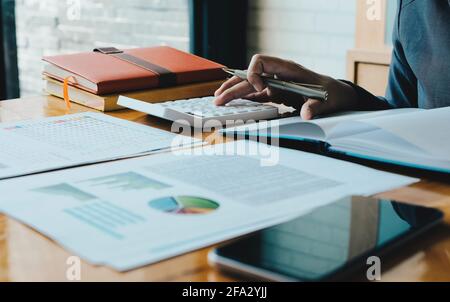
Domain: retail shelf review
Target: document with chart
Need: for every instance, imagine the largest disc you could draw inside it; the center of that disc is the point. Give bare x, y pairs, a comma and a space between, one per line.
58, 142
138, 211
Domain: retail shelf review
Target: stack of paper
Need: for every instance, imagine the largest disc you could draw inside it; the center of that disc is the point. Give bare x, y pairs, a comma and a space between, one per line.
134, 212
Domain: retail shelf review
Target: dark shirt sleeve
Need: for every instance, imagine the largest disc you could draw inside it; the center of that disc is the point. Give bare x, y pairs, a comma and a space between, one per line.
402, 84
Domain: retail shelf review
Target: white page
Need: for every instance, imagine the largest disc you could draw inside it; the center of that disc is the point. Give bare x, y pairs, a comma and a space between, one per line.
115, 214
56, 142
428, 130
317, 129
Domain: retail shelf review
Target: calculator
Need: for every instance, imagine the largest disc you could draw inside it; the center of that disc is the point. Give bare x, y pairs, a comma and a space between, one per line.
197, 112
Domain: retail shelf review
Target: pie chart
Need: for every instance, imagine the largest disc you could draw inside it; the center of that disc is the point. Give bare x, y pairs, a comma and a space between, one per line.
184, 205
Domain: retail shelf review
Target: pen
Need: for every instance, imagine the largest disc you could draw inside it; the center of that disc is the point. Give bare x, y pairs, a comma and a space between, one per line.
307, 90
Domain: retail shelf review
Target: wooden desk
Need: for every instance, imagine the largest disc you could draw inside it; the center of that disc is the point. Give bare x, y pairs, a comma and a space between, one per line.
25, 255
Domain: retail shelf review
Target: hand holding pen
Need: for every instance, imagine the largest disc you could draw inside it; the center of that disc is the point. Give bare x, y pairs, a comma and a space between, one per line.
270, 79
306, 90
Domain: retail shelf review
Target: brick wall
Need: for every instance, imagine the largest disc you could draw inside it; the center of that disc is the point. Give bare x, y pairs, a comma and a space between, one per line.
46, 27
314, 33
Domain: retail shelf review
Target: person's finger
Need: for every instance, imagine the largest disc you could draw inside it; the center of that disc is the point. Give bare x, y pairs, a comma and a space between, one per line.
228, 84
261, 97
252, 96
255, 71
283, 69
237, 91
312, 108
264, 65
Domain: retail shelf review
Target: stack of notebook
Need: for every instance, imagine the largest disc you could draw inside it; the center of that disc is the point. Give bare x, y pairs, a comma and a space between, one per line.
95, 79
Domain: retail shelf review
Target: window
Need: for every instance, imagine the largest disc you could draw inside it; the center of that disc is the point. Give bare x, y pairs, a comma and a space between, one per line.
9, 87
49, 27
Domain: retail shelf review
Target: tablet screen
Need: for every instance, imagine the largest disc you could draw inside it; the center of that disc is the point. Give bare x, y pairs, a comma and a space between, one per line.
329, 239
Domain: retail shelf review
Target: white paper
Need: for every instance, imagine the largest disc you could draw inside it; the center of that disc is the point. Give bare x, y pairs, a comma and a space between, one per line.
57, 142
118, 214
418, 139
427, 130
317, 129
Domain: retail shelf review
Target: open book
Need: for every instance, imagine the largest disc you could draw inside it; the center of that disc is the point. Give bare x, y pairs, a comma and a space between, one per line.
408, 137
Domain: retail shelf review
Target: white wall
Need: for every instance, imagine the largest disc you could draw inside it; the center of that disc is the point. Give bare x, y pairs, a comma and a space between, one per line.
47, 27
314, 33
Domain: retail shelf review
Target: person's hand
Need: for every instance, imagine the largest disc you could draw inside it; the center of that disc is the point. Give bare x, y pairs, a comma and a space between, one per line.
341, 96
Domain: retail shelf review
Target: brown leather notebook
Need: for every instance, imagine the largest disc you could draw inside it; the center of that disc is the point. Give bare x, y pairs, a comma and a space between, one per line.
109, 70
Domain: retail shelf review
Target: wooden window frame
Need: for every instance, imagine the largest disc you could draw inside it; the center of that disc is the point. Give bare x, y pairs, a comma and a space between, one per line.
370, 43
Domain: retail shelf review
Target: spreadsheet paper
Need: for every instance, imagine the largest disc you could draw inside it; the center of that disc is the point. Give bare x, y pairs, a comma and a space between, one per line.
58, 142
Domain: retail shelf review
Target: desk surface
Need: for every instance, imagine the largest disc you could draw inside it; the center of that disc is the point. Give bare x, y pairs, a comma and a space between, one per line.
26, 255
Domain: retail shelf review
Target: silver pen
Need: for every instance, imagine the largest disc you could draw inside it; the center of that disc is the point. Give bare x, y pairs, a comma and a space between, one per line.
316, 92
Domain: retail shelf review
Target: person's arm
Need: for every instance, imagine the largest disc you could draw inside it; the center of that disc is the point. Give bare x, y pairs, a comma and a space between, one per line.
402, 86
342, 95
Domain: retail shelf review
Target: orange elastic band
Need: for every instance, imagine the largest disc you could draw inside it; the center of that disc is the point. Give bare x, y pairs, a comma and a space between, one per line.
66, 90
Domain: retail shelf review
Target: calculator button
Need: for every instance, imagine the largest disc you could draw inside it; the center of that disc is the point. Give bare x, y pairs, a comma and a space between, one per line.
205, 108
195, 113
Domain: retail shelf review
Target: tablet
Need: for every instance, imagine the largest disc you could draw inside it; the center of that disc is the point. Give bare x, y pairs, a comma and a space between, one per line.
334, 242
